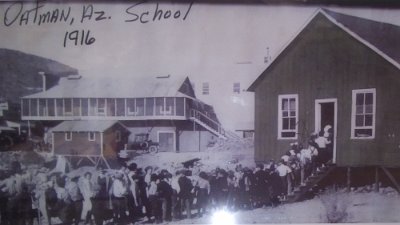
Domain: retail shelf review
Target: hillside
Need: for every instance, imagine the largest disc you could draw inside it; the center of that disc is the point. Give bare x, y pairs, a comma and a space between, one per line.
19, 77
19, 73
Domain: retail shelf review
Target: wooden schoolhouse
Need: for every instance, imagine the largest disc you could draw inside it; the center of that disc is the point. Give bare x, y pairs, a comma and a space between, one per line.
339, 70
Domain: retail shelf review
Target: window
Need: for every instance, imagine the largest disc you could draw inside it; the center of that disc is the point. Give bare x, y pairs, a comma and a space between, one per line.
287, 116
363, 114
68, 107
68, 136
131, 107
42, 107
85, 106
159, 106
59, 107
169, 106
139, 107
25, 107
206, 88
149, 106
92, 136
76, 102
34, 107
117, 136
92, 106
120, 107
101, 107
50, 107
110, 106
180, 106
236, 88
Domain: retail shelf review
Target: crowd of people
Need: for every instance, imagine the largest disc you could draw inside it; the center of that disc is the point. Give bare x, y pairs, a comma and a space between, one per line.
153, 195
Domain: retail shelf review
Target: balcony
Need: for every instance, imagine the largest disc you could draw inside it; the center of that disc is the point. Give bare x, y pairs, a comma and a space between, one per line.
158, 108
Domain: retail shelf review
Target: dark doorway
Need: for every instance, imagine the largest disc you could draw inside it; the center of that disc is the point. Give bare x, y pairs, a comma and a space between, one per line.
327, 117
327, 114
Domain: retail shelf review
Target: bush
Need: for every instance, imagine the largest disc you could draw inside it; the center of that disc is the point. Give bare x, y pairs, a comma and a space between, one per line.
336, 205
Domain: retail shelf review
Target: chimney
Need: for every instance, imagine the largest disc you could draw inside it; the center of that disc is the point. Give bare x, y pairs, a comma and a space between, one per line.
41, 73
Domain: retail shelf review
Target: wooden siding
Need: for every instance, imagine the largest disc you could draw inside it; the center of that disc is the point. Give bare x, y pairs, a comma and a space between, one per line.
111, 146
326, 62
79, 144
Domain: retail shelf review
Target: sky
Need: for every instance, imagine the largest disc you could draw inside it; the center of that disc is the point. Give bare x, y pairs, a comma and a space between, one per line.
219, 44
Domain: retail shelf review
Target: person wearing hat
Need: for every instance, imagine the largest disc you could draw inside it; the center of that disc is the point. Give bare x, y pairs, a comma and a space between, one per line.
203, 192
164, 191
185, 194
100, 200
118, 192
176, 204
133, 193
72, 188
86, 187
153, 198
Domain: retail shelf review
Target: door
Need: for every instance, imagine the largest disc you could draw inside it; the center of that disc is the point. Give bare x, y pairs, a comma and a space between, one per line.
326, 114
166, 141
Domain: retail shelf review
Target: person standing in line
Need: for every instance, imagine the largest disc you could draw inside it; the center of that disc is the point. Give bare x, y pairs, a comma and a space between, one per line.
261, 186
328, 134
247, 202
322, 143
71, 186
305, 157
147, 178
145, 203
100, 210
118, 192
175, 201
165, 192
221, 188
203, 192
133, 194
153, 198
284, 173
185, 194
86, 187
63, 201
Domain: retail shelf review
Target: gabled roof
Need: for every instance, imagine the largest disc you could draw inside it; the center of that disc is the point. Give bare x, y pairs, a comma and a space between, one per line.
116, 87
85, 126
382, 38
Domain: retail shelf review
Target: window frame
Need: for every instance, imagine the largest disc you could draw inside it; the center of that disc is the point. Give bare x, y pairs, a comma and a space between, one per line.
205, 88
280, 117
89, 136
236, 88
354, 114
68, 113
66, 136
101, 111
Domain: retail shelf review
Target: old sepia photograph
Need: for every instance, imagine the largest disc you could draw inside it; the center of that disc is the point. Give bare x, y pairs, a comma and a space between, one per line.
147, 112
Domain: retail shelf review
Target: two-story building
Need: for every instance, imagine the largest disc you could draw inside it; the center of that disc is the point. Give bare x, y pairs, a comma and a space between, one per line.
165, 107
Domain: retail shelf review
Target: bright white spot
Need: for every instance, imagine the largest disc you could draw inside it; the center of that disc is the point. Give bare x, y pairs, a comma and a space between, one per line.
223, 218
238, 100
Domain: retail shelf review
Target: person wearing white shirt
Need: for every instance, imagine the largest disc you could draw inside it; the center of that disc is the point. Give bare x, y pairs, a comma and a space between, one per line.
86, 187
119, 191
284, 173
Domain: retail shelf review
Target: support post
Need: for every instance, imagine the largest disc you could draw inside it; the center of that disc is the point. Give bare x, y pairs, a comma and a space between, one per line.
348, 179
29, 129
199, 141
392, 178
376, 179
